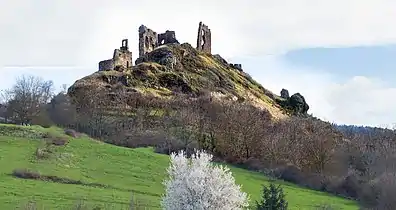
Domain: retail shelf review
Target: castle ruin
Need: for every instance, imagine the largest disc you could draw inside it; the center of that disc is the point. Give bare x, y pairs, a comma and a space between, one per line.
122, 58
149, 40
169, 37
237, 66
204, 38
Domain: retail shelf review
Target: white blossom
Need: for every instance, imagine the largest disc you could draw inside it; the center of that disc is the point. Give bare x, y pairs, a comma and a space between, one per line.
197, 184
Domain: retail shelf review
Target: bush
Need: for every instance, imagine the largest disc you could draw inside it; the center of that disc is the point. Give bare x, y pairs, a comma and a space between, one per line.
42, 119
20, 131
59, 141
254, 164
325, 207
26, 174
197, 184
316, 181
43, 153
56, 140
350, 187
273, 198
289, 173
72, 133
380, 193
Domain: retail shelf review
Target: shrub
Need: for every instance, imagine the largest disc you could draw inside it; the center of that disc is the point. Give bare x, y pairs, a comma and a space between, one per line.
289, 173
387, 184
325, 207
56, 140
42, 119
254, 164
26, 174
379, 193
60, 141
72, 133
43, 153
315, 181
30, 205
197, 184
350, 186
20, 131
273, 198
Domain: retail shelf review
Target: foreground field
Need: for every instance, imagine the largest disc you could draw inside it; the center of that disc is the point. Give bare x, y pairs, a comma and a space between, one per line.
108, 175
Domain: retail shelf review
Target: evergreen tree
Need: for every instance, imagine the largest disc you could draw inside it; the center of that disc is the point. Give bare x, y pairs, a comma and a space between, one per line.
273, 198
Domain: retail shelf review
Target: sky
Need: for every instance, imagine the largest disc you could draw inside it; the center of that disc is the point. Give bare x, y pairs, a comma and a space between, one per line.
340, 54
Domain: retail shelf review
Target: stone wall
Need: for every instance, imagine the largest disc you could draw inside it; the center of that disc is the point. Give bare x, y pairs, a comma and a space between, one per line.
204, 39
106, 65
237, 66
169, 37
148, 40
122, 59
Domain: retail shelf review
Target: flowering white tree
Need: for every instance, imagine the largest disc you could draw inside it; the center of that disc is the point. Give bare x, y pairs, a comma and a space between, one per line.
197, 184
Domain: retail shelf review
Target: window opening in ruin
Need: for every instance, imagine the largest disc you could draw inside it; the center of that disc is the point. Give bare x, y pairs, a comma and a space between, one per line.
203, 41
146, 42
162, 42
127, 64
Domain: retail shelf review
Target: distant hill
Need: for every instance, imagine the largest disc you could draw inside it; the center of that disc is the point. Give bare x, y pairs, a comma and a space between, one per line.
351, 131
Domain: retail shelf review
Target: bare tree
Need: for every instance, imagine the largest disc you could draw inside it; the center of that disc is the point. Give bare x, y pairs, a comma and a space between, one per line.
4, 111
26, 97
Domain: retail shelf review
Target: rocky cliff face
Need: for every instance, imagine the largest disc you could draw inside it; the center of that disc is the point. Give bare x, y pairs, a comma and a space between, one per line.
174, 69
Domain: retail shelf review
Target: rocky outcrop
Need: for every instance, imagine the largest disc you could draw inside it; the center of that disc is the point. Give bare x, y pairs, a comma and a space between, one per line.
284, 94
162, 55
295, 104
298, 104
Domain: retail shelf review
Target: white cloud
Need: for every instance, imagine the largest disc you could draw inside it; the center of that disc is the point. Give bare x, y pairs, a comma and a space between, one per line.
358, 100
75, 32
363, 100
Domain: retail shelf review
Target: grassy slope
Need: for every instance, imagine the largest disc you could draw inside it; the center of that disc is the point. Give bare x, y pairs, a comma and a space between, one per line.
123, 170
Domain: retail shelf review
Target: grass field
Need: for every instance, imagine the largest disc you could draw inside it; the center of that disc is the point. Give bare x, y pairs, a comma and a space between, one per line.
121, 173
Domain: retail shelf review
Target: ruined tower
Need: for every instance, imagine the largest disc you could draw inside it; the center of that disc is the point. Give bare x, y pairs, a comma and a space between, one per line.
122, 58
148, 40
204, 42
169, 37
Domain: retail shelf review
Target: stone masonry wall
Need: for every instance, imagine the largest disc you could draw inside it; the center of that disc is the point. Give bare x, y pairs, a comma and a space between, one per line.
168, 37
148, 40
204, 39
121, 58
106, 65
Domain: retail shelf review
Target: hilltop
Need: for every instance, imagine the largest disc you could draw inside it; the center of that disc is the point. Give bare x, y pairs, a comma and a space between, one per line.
165, 68
174, 69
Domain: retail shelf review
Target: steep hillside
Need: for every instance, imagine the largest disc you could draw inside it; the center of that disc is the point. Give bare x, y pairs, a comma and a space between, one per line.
104, 175
173, 69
